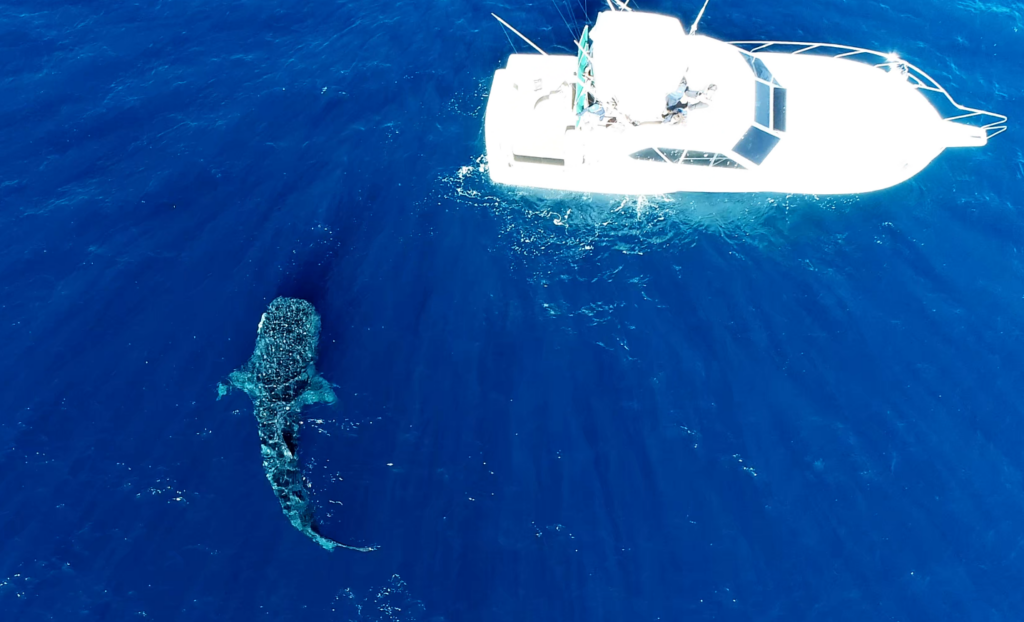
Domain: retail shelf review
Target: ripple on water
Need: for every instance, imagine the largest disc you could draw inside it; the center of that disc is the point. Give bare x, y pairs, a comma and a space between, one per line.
557, 227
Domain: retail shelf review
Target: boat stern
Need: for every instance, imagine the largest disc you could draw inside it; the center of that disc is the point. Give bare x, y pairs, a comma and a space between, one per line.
497, 125
529, 111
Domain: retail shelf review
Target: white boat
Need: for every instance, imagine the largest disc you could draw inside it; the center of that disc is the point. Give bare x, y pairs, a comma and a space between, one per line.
648, 108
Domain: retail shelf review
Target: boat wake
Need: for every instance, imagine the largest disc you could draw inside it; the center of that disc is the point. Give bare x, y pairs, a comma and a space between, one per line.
559, 226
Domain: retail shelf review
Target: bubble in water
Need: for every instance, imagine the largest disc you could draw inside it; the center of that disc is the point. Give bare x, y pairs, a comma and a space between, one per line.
567, 225
390, 602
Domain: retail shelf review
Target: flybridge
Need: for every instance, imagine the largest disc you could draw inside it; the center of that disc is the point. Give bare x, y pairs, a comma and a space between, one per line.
646, 107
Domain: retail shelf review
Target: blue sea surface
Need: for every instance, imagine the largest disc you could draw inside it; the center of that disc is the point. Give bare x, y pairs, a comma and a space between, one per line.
552, 407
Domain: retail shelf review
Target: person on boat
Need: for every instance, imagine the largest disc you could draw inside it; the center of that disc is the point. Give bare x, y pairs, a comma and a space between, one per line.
592, 116
600, 114
704, 97
680, 101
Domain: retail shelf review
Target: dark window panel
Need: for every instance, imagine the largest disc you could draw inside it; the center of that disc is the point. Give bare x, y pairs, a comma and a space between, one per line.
758, 67
779, 114
762, 103
756, 144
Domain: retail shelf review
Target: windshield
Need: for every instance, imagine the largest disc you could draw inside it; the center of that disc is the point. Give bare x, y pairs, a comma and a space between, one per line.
756, 144
758, 67
769, 96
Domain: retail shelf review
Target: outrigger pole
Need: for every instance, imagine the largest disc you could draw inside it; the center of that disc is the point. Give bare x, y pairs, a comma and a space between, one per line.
521, 35
693, 27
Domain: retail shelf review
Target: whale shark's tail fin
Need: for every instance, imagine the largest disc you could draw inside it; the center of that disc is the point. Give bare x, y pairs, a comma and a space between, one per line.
330, 545
361, 549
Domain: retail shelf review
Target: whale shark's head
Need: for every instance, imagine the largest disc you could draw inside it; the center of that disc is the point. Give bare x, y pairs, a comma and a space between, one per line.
286, 345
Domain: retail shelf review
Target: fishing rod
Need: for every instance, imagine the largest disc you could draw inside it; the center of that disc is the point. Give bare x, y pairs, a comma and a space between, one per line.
693, 27
521, 35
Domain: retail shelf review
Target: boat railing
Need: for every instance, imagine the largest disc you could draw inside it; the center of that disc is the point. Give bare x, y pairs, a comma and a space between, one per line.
990, 122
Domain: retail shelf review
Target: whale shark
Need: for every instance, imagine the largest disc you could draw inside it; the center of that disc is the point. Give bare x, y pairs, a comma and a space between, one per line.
281, 379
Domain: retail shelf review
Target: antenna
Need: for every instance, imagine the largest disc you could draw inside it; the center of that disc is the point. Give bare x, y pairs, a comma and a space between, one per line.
693, 28
521, 35
619, 4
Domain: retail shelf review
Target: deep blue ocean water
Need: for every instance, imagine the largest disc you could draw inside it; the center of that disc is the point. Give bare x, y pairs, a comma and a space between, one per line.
552, 408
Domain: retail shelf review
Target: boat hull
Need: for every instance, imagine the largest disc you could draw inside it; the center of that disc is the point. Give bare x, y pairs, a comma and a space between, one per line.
852, 128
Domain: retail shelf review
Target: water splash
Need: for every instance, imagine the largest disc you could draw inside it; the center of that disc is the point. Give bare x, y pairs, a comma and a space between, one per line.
567, 226
390, 602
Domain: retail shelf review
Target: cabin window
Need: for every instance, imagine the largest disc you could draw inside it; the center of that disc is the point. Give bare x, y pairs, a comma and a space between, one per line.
705, 158
723, 162
762, 103
758, 67
779, 109
687, 157
698, 158
649, 155
756, 144
769, 96
671, 156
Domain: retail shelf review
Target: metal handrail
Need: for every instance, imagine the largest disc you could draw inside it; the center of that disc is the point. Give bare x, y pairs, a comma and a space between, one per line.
890, 62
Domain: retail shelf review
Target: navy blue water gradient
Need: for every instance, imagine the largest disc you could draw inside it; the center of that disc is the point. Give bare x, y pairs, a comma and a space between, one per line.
552, 407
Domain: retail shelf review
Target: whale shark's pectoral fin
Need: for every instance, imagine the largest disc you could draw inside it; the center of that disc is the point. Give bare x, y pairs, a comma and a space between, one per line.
239, 379
223, 388
318, 391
